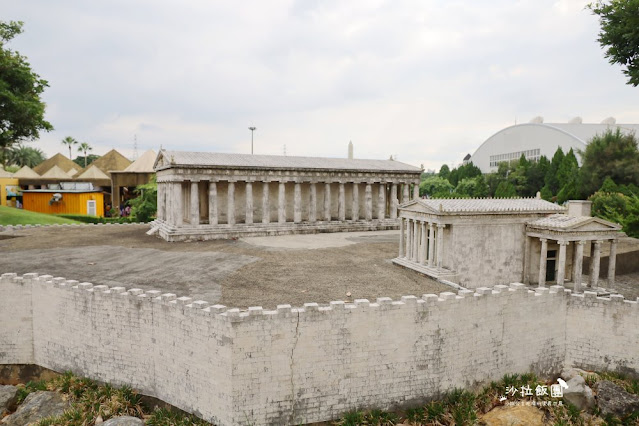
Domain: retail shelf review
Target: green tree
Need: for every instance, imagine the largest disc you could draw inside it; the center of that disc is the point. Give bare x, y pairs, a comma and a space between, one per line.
472, 187
535, 176
568, 169
435, 186
463, 172
619, 20
612, 154
70, 142
21, 108
25, 156
546, 194
551, 179
80, 160
618, 208
505, 190
145, 205
84, 148
444, 171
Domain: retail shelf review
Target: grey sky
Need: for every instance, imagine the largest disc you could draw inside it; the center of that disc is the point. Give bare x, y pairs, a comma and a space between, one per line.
427, 81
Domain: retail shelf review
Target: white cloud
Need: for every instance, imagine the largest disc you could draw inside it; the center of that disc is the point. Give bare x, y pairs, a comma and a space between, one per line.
427, 81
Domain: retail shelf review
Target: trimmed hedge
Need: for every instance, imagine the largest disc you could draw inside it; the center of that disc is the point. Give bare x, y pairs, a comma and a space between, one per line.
95, 219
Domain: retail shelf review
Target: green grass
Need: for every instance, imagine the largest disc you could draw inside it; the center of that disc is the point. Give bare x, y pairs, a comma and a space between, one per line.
13, 216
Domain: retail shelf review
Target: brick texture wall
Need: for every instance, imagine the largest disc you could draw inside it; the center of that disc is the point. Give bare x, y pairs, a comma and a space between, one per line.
313, 363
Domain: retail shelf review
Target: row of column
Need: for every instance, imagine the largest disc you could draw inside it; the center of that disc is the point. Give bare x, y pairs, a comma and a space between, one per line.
578, 254
170, 193
417, 242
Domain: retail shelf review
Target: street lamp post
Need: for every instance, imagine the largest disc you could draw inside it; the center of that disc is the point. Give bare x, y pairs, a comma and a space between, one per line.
252, 129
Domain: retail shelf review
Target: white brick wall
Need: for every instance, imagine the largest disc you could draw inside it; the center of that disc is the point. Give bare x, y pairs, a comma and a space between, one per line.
297, 365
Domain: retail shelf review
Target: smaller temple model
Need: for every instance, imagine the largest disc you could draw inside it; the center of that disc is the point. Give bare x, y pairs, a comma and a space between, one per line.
210, 195
485, 242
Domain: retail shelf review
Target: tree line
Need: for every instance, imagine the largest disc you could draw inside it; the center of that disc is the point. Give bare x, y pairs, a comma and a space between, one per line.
608, 176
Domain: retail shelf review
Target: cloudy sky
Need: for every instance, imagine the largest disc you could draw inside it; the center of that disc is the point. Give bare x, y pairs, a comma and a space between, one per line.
426, 81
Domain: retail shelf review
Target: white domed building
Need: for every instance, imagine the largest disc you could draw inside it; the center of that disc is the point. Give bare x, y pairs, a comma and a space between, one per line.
537, 138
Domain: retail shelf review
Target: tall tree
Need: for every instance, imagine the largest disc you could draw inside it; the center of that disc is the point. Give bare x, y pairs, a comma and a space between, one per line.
568, 169
25, 156
21, 109
612, 154
70, 142
84, 148
444, 171
619, 20
551, 179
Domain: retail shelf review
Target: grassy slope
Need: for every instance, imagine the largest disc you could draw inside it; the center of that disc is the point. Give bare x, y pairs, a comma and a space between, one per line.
13, 216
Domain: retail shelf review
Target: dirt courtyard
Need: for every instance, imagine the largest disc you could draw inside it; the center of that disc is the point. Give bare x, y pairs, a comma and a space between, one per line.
237, 273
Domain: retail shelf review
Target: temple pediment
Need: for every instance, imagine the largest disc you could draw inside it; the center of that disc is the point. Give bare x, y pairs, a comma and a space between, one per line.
561, 222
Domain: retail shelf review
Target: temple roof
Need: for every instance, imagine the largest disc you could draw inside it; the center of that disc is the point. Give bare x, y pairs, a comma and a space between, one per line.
168, 159
562, 222
482, 206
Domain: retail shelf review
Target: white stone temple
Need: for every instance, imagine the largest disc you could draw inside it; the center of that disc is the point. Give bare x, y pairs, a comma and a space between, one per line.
203, 195
483, 242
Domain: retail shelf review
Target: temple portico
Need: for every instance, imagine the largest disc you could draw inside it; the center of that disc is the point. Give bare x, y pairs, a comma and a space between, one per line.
206, 195
555, 248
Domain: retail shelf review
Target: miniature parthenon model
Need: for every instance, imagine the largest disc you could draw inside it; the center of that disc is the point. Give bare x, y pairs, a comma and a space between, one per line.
480, 242
210, 195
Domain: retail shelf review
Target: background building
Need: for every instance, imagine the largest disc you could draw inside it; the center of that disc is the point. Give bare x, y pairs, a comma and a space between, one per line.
537, 138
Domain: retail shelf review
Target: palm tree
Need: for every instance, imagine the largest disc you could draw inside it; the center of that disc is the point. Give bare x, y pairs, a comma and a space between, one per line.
85, 147
69, 141
26, 156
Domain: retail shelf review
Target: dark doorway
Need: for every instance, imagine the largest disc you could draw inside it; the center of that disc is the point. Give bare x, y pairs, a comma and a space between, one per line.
551, 262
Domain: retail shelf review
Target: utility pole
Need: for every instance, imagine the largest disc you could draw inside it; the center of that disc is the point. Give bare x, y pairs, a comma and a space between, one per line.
252, 129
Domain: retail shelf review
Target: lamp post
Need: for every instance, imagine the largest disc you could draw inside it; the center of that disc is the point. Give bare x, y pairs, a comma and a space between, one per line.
252, 129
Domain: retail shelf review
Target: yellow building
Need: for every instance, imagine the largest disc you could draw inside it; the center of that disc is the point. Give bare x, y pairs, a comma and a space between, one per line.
8, 186
55, 201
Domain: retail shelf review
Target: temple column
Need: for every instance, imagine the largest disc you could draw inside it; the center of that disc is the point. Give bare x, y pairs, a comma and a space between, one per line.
595, 259
409, 240
230, 202
526, 275
578, 265
381, 202
160, 212
422, 253
402, 242
368, 199
194, 208
266, 206
341, 203
393, 201
561, 268
249, 204
431, 244
440, 245
612, 263
327, 201
415, 191
213, 203
281, 203
415, 241
297, 203
405, 193
542, 262
168, 193
179, 204
355, 214
312, 212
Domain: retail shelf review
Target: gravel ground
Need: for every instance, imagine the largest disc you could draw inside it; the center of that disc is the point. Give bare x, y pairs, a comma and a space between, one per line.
261, 272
